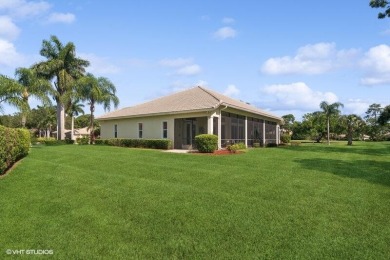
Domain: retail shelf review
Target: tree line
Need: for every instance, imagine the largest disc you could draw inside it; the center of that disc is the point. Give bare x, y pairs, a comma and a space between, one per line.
60, 77
328, 123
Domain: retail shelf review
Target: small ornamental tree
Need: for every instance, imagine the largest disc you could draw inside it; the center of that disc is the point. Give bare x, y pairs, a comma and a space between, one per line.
206, 143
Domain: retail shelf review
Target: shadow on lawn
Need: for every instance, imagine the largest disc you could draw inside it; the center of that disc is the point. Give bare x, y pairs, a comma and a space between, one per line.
377, 172
355, 149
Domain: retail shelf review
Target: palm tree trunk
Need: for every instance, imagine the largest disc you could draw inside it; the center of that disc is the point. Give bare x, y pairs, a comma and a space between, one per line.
349, 137
24, 119
72, 129
61, 120
92, 136
328, 132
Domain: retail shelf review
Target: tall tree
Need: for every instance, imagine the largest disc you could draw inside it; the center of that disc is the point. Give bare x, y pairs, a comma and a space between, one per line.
32, 85
10, 93
372, 114
74, 109
381, 4
97, 91
330, 110
64, 67
353, 124
384, 117
288, 122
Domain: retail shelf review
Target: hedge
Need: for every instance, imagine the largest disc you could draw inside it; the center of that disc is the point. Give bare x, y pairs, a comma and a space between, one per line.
50, 141
206, 143
14, 145
164, 144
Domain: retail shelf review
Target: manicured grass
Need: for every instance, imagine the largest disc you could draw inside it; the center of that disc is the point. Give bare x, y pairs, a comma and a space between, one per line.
311, 201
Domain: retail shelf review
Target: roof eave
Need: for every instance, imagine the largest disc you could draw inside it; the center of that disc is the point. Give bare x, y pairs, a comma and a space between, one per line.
157, 114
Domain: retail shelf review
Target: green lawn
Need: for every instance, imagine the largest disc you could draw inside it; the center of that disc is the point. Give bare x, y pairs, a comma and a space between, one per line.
306, 202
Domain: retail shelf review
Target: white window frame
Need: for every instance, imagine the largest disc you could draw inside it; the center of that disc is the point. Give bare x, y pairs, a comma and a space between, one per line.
164, 130
140, 131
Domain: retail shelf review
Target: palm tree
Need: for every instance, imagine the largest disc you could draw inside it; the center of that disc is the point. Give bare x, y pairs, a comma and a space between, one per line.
63, 66
97, 91
353, 122
10, 93
330, 110
32, 85
74, 109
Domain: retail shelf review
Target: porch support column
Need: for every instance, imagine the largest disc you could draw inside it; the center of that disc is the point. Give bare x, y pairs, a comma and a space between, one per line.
219, 130
210, 125
264, 133
277, 134
246, 131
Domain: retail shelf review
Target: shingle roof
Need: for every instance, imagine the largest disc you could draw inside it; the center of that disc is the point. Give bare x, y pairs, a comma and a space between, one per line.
190, 100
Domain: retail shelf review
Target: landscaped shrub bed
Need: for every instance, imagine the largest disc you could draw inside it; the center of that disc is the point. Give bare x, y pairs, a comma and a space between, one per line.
82, 140
14, 145
235, 147
52, 141
206, 143
164, 144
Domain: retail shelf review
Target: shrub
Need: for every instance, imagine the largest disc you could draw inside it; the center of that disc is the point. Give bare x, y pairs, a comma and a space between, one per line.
164, 144
285, 138
235, 147
101, 141
50, 141
206, 143
14, 145
44, 139
69, 141
272, 145
82, 140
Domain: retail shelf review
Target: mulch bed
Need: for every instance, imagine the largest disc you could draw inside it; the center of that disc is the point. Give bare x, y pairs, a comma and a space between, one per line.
218, 152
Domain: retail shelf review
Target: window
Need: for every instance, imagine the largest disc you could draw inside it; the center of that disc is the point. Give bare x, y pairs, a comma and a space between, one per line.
140, 130
115, 131
165, 129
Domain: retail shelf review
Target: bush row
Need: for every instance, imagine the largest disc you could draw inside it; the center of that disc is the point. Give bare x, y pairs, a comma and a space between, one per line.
52, 141
14, 145
137, 143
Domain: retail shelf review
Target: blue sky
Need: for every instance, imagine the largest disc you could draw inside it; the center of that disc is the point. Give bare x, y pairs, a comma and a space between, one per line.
285, 57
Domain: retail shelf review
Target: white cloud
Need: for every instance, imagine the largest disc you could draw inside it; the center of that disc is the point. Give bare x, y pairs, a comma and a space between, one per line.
9, 56
23, 9
296, 96
202, 83
310, 59
189, 70
61, 18
231, 90
356, 106
175, 62
228, 20
183, 66
99, 65
225, 33
376, 63
8, 29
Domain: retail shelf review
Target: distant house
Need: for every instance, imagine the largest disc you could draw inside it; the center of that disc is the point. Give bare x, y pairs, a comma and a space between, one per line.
183, 115
77, 133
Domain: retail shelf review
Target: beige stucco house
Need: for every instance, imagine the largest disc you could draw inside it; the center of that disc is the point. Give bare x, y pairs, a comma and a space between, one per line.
183, 115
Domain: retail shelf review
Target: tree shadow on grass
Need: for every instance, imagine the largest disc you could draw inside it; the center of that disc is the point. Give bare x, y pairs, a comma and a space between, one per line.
377, 172
383, 150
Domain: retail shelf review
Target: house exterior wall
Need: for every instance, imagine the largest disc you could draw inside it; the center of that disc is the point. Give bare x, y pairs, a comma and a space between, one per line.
152, 126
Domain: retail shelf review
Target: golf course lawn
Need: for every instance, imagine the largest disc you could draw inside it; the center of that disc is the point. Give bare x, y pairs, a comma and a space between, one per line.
311, 201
